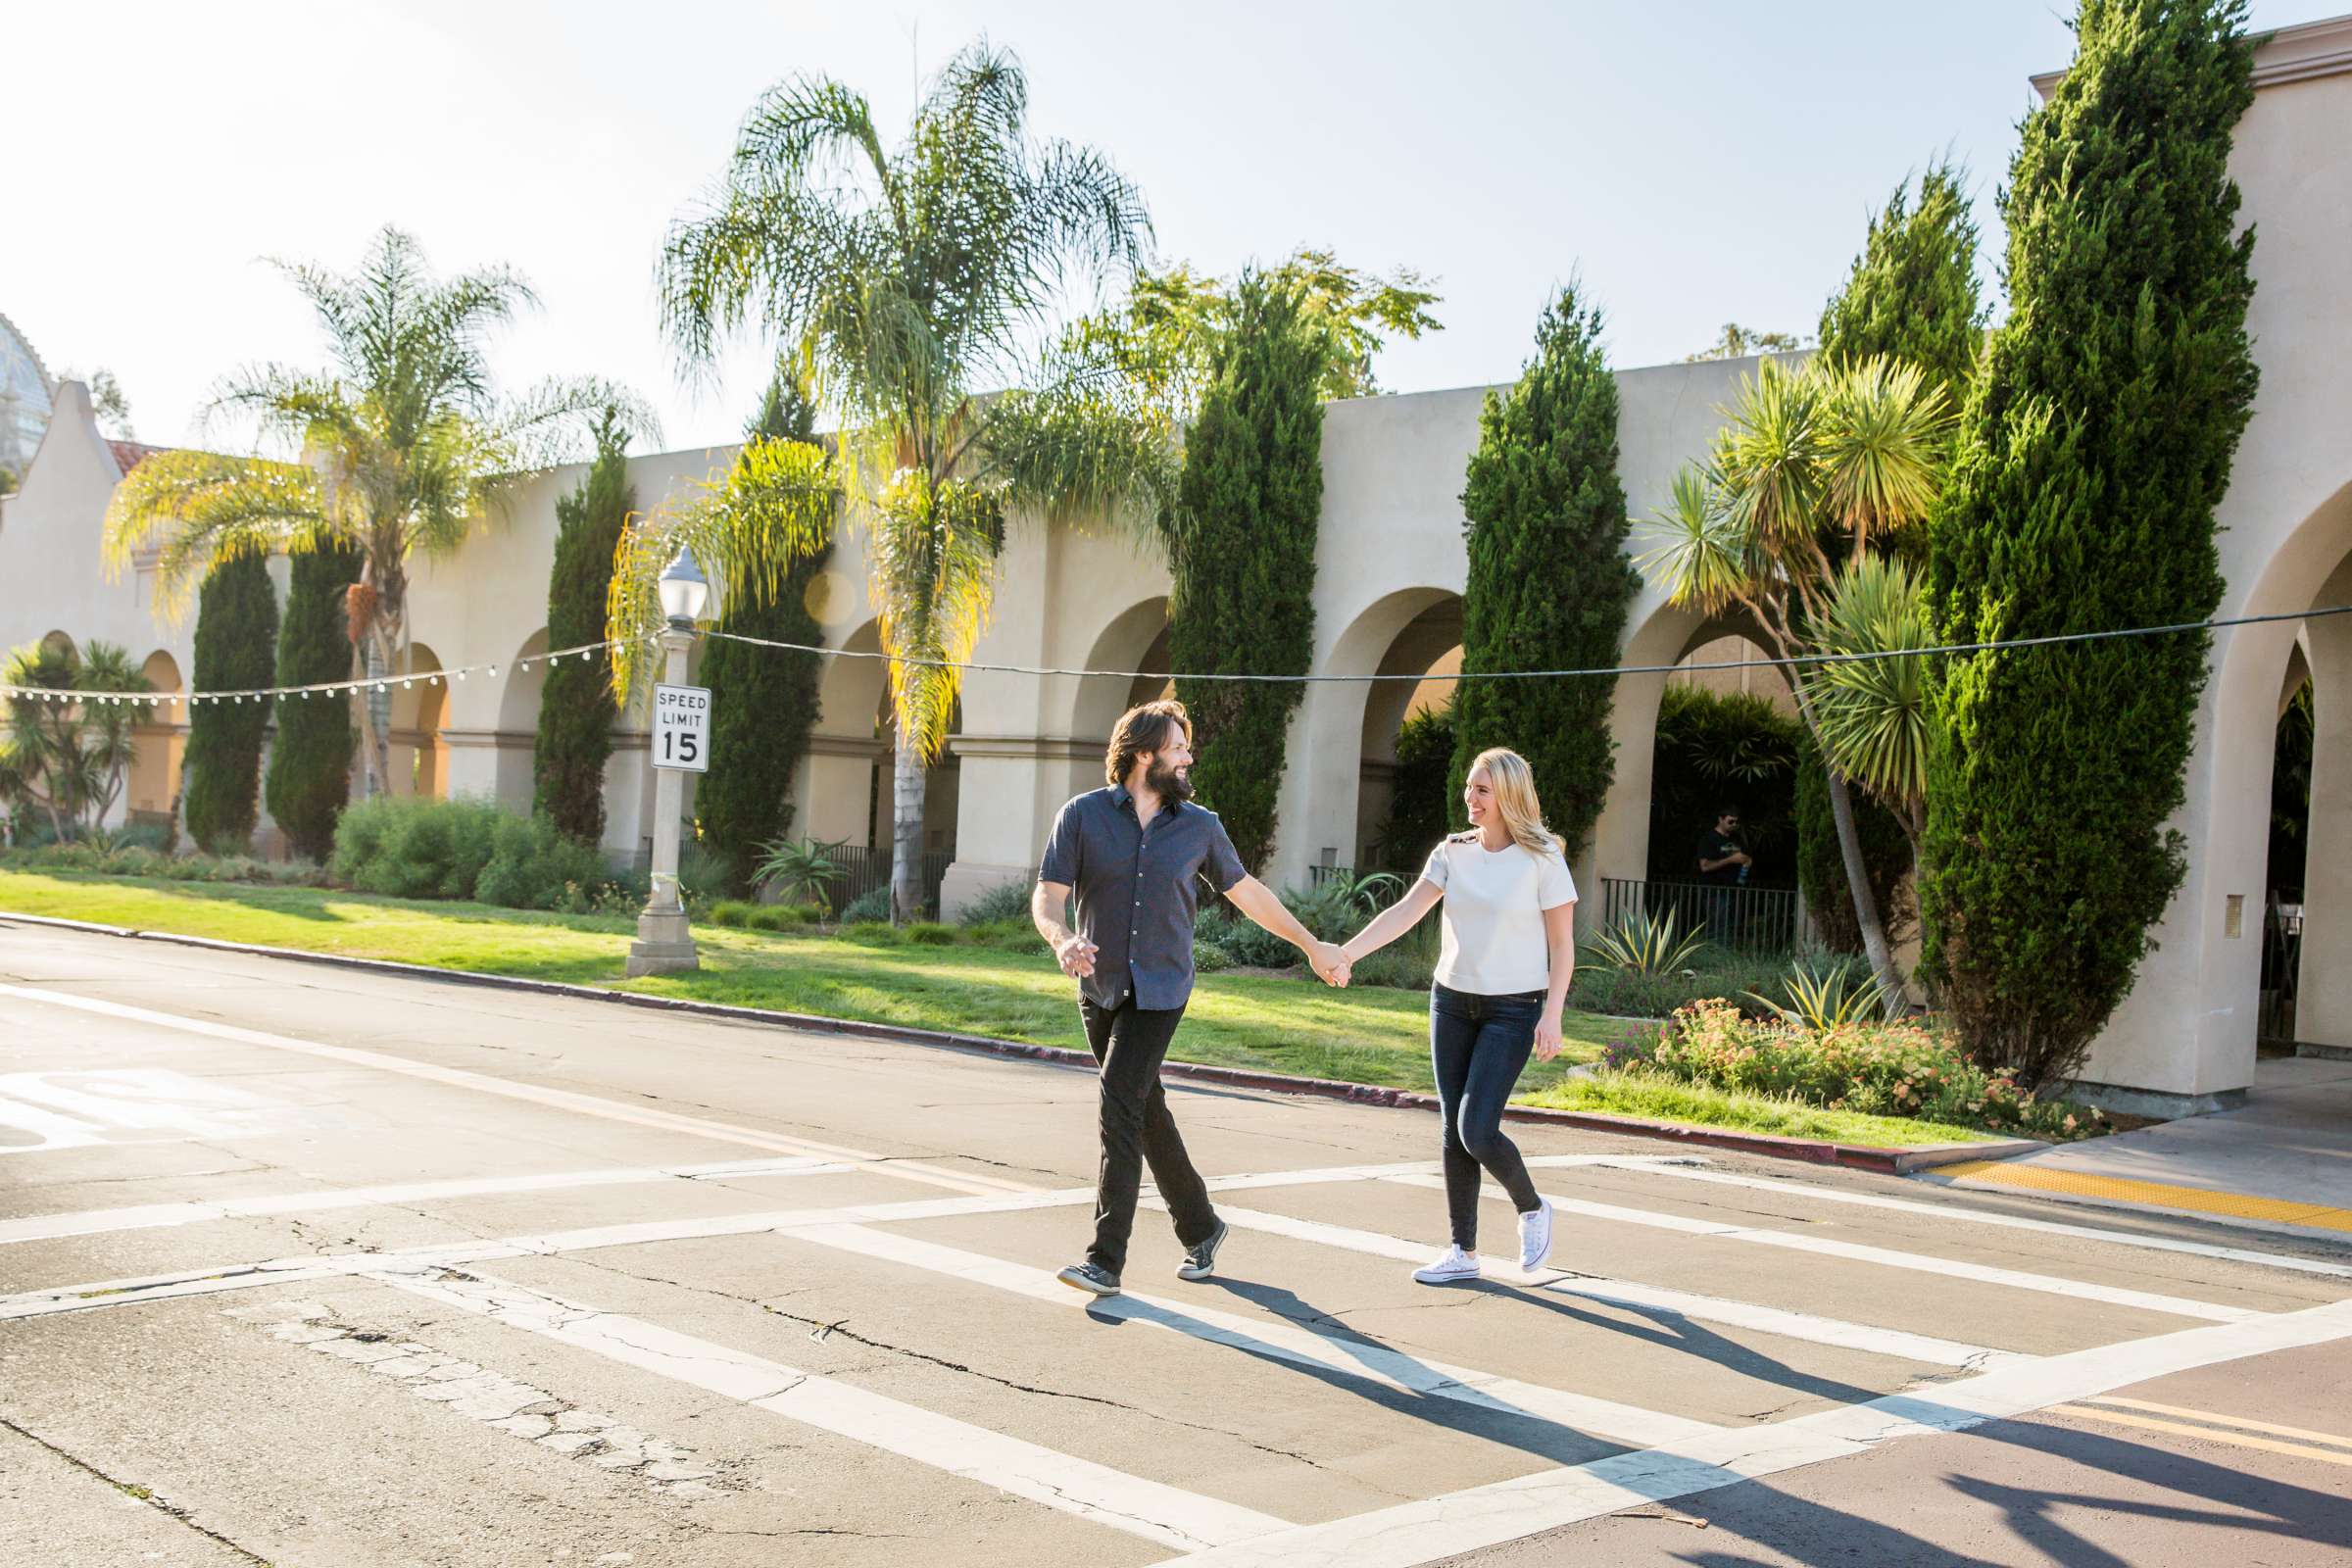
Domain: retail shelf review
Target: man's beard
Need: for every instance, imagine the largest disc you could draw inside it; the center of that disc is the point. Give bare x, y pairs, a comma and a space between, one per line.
1167, 782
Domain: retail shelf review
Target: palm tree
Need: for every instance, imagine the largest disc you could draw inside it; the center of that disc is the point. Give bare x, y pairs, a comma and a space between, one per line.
1872, 711
904, 285
68, 759
398, 450
1814, 464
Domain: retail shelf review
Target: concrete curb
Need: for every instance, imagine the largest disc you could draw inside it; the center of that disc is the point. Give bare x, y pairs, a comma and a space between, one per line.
1855, 1156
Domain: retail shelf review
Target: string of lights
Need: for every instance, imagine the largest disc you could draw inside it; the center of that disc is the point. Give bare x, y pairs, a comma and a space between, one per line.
975, 666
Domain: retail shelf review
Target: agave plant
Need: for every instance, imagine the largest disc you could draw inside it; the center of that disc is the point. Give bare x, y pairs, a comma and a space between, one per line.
1827, 996
1639, 942
800, 869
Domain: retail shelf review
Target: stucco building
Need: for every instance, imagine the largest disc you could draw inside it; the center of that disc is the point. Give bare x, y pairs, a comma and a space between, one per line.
1389, 574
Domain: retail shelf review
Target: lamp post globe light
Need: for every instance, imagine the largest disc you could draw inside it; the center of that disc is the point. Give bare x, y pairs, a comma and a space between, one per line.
664, 945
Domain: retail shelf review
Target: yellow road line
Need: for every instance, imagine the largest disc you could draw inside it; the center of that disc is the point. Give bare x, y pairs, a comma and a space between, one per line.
2201, 1200
2182, 1429
2270, 1427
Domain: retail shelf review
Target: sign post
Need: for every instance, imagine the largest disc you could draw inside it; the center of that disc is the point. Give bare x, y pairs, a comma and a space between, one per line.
681, 744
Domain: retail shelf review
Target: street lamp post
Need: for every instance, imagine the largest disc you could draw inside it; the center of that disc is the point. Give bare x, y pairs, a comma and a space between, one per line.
664, 945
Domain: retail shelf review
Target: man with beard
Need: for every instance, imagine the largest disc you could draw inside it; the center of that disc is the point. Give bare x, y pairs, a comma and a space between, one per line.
1134, 853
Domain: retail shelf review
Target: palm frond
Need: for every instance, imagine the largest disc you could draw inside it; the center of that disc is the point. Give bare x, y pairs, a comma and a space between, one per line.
774, 506
1883, 445
1704, 549
1874, 714
1771, 454
931, 554
201, 508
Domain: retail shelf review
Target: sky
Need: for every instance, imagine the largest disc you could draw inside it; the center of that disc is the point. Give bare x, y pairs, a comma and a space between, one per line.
1691, 164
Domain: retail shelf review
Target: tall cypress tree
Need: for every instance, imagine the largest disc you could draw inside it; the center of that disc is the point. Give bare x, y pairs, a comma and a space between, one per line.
1911, 294
575, 707
1550, 581
763, 701
1242, 551
2098, 442
309, 761
237, 637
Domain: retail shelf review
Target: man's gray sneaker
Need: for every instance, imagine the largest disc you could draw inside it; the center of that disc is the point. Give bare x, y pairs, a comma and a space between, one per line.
1092, 1278
1201, 1261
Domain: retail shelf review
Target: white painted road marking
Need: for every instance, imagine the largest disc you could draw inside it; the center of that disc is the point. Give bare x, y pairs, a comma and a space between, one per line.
1168, 1515
86, 1109
160, 1216
555, 1098
1415, 1532
1702, 1308
1686, 1170
1887, 1258
1339, 1351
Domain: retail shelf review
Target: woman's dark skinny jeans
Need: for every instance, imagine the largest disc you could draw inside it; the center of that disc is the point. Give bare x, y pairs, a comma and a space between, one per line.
1477, 1046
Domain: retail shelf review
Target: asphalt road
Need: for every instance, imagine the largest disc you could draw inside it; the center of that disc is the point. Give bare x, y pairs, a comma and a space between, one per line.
306, 1266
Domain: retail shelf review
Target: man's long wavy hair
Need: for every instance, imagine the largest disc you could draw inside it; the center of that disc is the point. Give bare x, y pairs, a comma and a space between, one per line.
1143, 729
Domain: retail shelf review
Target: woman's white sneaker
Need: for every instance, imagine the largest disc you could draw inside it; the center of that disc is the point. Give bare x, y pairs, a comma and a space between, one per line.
1534, 1236
1457, 1265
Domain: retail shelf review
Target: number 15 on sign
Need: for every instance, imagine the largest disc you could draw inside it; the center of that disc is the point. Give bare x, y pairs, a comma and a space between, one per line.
682, 728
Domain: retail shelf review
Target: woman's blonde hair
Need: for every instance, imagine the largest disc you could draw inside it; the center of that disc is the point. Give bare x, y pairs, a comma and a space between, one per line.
1514, 784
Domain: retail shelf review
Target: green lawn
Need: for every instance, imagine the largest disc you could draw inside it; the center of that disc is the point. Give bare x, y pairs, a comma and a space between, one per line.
1661, 1099
1365, 1035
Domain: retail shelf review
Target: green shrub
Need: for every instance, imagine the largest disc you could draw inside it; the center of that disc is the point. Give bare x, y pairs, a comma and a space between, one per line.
871, 933
308, 781
235, 650
1006, 900
1208, 958
1252, 945
779, 916
1242, 552
532, 863
417, 849
1009, 936
1711, 748
930, 934
1548, 581
1875, 1067
2093, 450
868, 908
732, 912
1419, 813
575, 705
1401, 969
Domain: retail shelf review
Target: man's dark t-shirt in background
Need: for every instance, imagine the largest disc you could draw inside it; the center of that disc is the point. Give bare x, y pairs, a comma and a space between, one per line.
1714, 846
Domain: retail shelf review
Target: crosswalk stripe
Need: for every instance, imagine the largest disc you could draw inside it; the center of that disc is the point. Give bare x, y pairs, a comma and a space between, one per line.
1885, 1258
1158, 1512
1337, 1350
533, 1094
1410, 1535
1955, 1213
1703, 1309
164, 1216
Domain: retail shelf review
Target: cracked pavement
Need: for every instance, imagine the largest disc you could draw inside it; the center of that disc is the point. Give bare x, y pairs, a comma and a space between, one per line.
524, 1365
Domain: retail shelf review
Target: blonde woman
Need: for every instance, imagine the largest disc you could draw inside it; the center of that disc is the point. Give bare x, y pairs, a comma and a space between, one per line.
1509, 954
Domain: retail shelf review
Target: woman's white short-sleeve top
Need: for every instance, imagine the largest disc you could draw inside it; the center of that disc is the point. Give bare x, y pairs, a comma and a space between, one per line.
1493, 942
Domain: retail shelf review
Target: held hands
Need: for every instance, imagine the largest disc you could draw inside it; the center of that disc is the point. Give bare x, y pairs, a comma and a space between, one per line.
1548, 1035
1077, 955
1330, 961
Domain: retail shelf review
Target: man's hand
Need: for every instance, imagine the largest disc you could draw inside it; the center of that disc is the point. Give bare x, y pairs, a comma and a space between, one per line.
1548, 1036
1330, 963
1077, 955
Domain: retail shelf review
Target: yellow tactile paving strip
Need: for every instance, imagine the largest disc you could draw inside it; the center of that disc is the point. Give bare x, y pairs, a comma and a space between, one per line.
2200, 1199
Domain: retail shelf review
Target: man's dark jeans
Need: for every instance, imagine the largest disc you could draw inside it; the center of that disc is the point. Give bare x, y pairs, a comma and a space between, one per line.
1129, 1043
1478, 1046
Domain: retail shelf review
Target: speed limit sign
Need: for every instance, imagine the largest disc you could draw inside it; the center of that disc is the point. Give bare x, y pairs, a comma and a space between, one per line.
682, 728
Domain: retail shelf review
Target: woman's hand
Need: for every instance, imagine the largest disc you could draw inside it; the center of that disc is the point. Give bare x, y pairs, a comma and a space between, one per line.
1548, 1035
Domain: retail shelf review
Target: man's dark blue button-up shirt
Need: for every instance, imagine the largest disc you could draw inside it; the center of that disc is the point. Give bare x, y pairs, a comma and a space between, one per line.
1137, 892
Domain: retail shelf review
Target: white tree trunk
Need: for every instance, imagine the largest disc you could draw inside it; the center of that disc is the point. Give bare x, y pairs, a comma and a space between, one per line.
1866, 903
908, 781
376, 709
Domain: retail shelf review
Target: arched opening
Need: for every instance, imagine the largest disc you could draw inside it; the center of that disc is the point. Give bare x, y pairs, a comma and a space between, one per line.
2308, 898
517, 737
159, 739
419, 711
1401, 807
1702, 670
1324, 816
1136, 639
845, 747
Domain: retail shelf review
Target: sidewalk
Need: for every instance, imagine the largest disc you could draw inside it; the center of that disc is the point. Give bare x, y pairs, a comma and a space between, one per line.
2283, 1163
